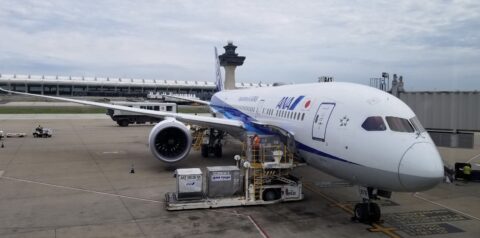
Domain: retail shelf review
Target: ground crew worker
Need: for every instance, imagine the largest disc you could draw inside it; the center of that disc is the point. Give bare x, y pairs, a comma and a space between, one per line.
256, 147
467, 171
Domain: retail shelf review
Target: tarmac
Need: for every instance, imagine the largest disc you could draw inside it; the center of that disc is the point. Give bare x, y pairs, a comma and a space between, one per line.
78, 184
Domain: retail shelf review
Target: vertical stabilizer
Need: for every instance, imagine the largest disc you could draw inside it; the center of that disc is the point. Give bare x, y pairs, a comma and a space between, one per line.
218, 73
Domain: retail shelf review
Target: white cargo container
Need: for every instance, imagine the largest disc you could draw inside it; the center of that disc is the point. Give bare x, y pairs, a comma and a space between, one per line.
223, 181
189, 183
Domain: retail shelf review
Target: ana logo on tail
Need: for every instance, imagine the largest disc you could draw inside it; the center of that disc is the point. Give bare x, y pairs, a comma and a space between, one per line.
218, 73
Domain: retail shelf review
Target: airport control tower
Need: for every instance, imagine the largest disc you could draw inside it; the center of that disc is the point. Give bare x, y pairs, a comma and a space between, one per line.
230, 60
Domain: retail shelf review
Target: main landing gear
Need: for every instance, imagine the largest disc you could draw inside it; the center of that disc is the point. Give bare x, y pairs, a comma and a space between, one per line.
367, 211
212, 143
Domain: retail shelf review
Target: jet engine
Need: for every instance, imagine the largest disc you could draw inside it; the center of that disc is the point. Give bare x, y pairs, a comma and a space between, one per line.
170, 141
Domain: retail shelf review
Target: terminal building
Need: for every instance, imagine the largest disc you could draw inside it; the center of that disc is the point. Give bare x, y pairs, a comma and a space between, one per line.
108, 87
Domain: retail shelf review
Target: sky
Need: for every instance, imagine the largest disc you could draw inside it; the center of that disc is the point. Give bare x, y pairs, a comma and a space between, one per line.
434, 45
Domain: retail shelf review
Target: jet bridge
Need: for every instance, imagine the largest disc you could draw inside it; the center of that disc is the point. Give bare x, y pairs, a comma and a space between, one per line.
262, 175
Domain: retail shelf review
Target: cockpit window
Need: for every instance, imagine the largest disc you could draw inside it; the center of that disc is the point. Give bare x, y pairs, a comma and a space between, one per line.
399, 124
416, 123
374, 124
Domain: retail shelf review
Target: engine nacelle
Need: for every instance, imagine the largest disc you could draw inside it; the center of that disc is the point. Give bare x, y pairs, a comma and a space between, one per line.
170, 141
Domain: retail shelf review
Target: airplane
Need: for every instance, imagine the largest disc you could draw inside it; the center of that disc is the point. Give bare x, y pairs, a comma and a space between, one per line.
357, 133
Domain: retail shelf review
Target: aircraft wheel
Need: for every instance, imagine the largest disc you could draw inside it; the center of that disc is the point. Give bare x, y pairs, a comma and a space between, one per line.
204, 151
375, 212
269, 195
367, 212
360, 212
122, 123
218, 151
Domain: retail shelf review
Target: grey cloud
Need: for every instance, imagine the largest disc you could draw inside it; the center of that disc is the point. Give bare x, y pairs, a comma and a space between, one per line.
291, 41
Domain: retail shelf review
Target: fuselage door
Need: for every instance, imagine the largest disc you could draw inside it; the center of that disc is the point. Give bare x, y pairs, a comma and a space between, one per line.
320, 121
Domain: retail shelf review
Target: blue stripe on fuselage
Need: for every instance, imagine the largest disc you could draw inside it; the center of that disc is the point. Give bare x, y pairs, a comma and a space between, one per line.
235, 114
294, 104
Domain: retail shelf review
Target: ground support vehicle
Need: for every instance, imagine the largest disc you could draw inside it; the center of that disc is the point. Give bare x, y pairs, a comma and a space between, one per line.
123, 118
265, 178
42, 132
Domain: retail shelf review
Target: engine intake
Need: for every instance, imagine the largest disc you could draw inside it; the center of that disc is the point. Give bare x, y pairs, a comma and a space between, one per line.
170, 141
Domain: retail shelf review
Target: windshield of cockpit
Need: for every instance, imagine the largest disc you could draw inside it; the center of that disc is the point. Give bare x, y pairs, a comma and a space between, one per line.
397, 124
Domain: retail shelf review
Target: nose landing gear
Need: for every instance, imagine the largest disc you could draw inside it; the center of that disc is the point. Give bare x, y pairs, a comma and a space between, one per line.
367, 211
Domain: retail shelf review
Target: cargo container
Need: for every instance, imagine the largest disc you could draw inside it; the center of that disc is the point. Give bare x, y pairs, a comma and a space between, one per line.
189, 183
223, 181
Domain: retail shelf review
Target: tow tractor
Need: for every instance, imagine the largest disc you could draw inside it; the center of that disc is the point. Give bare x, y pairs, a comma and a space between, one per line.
42, 132
260, 176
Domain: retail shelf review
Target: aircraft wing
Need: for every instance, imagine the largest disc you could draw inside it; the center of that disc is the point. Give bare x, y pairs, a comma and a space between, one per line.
231, 126
189, 99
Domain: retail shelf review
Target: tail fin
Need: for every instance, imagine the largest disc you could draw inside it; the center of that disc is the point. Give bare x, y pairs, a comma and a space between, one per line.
218, 73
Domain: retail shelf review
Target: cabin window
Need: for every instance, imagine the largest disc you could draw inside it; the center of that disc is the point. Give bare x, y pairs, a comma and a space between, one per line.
149, 108
303, 116
142, 107
374, 124
399, 124
169, 108
156, 108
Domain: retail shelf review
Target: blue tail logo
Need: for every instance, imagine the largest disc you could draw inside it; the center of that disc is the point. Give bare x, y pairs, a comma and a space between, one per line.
218, 73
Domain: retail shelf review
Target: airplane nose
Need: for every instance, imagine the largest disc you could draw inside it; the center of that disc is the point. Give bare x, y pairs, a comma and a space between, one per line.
421, 167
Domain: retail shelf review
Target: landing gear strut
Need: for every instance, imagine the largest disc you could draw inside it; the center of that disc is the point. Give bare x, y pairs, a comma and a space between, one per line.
212, 143
367, 211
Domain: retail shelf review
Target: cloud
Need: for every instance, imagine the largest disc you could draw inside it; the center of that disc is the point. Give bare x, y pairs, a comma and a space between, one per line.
289, 41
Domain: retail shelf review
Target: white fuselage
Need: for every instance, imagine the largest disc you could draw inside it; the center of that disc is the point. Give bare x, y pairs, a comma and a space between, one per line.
327, 121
